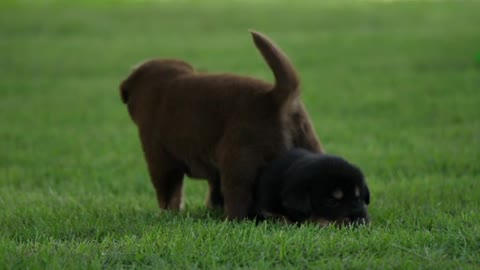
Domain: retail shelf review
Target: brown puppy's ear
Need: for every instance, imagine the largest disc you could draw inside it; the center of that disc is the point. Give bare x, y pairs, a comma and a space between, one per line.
296, 203
124, 92
131, 80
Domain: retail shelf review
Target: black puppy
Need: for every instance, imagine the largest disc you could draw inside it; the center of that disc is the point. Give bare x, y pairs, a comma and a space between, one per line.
302, 186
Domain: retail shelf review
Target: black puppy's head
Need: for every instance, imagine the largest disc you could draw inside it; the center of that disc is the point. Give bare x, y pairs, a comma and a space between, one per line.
325, 189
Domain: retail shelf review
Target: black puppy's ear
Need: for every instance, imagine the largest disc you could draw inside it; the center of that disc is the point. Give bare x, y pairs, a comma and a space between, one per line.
366, 192
296, 203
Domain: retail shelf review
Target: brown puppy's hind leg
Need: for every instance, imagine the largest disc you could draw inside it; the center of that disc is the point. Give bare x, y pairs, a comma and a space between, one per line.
238, 194
239, 169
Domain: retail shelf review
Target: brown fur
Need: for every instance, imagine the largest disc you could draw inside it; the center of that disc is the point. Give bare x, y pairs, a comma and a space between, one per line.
220, 127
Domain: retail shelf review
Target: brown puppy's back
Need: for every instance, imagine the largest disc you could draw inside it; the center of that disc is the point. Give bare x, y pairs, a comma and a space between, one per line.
200, 119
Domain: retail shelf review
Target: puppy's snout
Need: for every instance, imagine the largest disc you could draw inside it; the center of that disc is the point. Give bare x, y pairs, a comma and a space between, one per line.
359, 215
359, 210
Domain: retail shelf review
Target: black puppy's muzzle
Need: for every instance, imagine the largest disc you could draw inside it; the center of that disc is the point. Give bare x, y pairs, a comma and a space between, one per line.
356, 216
359, 215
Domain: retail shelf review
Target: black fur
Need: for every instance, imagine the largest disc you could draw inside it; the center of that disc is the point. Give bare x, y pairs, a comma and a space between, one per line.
299, 187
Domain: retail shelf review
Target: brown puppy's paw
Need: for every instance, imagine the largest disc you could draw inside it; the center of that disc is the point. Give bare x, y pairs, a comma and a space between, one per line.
215, 201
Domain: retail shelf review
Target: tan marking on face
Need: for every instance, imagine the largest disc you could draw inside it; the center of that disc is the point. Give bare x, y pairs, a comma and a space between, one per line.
337, 194
357, 191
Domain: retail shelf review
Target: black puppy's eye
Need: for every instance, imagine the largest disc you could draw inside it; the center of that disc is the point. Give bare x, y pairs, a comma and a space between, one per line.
332, 202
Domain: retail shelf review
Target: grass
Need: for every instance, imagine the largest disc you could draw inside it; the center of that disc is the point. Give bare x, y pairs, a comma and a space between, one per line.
392, 86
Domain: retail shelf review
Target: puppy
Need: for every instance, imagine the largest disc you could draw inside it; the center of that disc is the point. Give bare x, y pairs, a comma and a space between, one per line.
219, 127
302, 186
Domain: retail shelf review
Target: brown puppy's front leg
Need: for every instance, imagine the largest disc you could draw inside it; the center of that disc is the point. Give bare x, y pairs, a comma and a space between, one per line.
169, 188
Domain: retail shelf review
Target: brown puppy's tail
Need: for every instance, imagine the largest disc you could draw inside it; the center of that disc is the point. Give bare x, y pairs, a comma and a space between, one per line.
286, 78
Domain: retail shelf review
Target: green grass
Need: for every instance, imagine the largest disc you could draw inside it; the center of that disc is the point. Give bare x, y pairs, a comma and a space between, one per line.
392, 86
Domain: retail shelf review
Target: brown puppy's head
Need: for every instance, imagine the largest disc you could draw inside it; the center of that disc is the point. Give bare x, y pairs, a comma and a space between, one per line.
140, 86
325, 189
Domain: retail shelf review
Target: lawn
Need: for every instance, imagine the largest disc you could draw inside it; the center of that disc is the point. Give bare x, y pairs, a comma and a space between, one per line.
393, 86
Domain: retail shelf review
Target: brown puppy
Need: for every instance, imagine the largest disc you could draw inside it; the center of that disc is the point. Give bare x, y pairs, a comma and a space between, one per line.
220, 127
